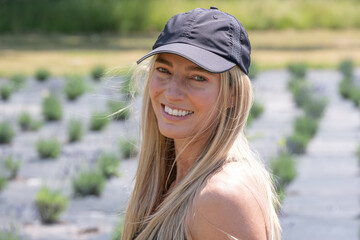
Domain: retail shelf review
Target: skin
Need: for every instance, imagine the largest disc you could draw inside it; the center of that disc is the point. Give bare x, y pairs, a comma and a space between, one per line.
224, 207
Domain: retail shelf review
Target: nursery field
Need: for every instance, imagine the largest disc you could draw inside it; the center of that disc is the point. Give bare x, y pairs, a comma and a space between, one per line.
67, 168
67, 164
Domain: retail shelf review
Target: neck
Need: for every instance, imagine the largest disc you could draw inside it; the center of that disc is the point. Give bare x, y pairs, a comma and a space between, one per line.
186, 155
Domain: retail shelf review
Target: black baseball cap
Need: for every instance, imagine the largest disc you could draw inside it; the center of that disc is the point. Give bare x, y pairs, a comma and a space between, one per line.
212, 39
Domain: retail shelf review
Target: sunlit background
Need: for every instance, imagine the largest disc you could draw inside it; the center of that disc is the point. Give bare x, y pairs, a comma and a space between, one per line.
67, 162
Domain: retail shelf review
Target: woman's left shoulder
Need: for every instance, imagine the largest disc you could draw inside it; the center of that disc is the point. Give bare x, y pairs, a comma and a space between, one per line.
226, 207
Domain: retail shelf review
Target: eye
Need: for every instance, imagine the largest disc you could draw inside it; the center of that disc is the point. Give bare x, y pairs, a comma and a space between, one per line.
199, 78
162, 70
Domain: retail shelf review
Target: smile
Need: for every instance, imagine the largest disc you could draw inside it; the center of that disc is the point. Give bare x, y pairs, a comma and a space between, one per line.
177, 112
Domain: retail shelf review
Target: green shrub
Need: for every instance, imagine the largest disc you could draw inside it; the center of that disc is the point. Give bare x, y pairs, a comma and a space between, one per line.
5, 92
128, 148
355, 95
284, 168
254, 70
345, 86
119, 110
88, 183
50, 204
117, 234
297, 69
297, 143
315, 107
346, 67
99, 121
48, 148
9, 235
75, 130
12, 166
3, 182
98, 72
255, 112
24, 120
42, 74
52, 108
27, 123
108, 164
75, 87
17, 81
6, 133
301, 91
306, 125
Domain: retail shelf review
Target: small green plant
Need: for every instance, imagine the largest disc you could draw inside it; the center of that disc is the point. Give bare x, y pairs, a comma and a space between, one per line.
75, 130
118, 230
302, 93
9, 235
297, 69
119, 110
345, 86
284, 168
48, 148
254, 70
3, 182
12, 166
5, 92
355, 95
17, 81
88, 183
306, 125
297, 143
6, 133
98, 72
42, 74
50, 204
52, 108
346, 67
358, 153
99, 121
314, 107
255, 112
75, 87
108, 164
27, 123
128, 147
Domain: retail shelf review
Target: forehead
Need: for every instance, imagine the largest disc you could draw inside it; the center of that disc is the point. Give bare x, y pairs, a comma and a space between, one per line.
173, 60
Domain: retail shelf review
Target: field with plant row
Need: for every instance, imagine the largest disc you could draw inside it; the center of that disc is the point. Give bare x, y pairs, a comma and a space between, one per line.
67, 163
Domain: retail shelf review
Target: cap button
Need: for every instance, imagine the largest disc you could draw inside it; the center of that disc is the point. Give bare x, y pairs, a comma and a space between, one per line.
214, 8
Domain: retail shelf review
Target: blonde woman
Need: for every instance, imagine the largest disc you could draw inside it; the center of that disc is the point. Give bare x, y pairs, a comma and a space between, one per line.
197, 178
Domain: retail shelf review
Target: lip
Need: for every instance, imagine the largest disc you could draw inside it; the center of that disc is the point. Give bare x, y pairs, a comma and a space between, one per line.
172, 117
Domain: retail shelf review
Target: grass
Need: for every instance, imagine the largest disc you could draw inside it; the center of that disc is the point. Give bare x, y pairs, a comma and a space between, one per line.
61, 54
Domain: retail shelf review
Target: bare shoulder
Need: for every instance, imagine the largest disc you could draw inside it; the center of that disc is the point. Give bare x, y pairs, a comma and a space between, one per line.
226, 208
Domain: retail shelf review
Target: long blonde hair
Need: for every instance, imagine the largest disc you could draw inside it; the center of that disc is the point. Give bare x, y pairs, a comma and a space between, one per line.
151, 210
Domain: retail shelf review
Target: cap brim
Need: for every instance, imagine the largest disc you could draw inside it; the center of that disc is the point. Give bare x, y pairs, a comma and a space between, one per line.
203, 58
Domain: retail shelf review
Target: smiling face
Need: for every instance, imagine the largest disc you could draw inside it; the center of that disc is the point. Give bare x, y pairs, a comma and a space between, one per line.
183, 96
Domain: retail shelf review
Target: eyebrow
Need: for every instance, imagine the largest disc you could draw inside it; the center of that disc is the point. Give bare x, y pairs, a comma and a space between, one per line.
189, 68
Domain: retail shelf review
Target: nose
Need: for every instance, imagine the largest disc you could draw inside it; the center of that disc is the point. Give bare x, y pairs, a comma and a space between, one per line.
175, 89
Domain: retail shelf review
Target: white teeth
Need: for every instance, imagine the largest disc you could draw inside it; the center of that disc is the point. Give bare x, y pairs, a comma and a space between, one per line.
176, 112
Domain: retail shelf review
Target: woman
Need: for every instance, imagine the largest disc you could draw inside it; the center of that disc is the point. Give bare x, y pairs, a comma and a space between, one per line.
197, 177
